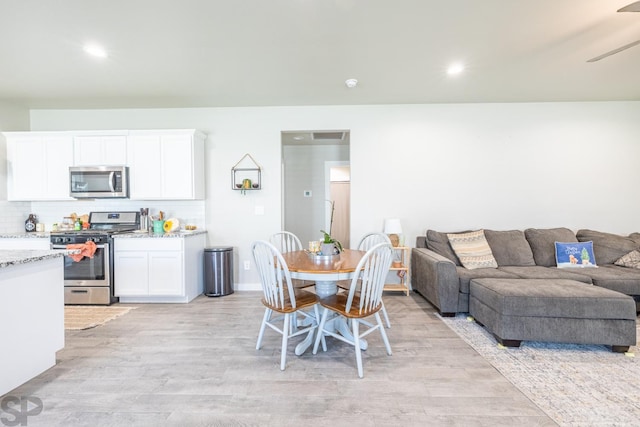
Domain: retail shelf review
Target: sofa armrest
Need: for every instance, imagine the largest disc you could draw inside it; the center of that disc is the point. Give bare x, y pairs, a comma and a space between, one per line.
435, 278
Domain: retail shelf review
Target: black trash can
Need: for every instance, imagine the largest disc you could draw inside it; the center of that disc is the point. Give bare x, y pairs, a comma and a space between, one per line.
218, 271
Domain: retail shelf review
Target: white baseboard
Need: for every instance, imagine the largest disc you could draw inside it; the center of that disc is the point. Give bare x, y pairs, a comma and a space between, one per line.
247, 287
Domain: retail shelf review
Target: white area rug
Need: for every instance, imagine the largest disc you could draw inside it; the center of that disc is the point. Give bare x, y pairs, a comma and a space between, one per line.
576, 385
78, 317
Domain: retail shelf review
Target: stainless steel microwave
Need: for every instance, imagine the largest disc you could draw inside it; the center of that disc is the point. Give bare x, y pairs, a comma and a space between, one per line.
99, 182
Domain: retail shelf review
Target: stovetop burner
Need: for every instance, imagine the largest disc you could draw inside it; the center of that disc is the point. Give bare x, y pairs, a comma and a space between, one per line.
102, 225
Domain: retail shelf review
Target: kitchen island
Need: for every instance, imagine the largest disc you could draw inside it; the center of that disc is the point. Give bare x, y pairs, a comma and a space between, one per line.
31, 314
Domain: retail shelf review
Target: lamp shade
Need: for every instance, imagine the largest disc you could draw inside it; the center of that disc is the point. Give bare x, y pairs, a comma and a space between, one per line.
392, 226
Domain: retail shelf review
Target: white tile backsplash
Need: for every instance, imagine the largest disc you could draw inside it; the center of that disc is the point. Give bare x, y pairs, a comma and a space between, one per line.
188, 211
13, 215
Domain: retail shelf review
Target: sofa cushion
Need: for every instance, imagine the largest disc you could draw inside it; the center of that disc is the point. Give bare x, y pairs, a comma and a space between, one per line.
608, 247
631, 260
621, 279
465, 276
439, 243
575, 255
542, 242
538, 272
510, 247
472, 249
635, 237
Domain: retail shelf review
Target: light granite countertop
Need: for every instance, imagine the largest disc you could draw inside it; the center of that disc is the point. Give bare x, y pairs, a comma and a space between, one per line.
15, 257
135, 234
145, 234
24, 234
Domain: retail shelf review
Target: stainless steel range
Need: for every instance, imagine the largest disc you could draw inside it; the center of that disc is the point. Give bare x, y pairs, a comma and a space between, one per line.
90, 280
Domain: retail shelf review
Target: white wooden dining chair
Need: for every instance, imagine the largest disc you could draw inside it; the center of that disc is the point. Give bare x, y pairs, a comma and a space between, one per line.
367, 242
280, 296
357, 306
286, 241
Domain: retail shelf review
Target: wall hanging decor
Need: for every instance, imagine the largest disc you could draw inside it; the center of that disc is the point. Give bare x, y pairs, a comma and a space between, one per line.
246, 175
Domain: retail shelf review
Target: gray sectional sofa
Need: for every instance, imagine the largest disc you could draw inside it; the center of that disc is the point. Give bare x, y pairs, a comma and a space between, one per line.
527, 297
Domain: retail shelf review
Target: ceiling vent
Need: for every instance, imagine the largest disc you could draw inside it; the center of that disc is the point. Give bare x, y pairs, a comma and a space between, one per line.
323, 136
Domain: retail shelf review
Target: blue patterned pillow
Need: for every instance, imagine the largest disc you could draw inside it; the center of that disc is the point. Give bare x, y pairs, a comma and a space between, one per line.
575, 254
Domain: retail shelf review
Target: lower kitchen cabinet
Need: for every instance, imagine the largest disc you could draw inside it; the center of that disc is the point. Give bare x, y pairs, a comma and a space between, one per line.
158, 269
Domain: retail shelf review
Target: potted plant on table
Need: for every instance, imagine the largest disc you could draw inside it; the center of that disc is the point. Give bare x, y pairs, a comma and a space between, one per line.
329, 245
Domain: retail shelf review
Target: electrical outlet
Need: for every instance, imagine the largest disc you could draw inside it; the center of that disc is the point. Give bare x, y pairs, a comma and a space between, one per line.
247, 265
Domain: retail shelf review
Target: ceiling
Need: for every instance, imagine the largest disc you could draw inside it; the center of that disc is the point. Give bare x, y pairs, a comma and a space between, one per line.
211, 53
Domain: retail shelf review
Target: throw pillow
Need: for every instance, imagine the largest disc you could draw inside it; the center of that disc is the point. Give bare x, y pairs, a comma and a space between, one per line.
632, 259
575, 255
607, 247
472, 250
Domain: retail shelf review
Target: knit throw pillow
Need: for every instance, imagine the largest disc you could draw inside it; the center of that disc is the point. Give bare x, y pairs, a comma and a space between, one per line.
473, 250
572, 254
632, 259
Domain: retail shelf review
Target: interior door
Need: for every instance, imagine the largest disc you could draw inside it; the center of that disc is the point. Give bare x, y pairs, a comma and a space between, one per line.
341, 196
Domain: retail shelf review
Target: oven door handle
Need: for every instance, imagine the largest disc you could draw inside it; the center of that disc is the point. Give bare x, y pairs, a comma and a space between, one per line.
103, 246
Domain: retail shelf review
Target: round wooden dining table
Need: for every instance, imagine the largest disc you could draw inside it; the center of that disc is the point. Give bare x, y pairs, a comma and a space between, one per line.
325, 272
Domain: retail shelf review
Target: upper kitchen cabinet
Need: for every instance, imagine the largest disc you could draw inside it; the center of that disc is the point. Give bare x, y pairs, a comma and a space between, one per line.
166, 164
100, 148
38, 165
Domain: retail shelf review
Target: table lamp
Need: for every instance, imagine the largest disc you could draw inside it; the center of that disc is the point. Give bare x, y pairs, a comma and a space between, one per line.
393, 229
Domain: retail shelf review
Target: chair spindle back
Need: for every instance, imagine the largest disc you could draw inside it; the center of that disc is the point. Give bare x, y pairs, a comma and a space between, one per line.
274, 274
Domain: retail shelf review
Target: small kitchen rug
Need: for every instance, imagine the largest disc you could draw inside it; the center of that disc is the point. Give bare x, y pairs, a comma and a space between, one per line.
79, 317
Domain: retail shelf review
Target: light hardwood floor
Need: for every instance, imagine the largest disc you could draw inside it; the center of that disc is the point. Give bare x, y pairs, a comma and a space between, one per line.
196, 365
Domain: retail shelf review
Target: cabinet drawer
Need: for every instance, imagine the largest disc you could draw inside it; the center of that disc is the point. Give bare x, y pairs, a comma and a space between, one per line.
148, 244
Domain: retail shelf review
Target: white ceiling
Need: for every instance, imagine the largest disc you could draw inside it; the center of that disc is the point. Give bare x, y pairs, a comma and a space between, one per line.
212, 53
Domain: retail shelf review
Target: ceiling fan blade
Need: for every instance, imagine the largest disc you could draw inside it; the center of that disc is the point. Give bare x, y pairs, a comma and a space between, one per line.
633, 7
614, 51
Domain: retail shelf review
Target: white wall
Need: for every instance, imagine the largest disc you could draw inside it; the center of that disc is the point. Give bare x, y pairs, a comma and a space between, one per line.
12, 215
448, 167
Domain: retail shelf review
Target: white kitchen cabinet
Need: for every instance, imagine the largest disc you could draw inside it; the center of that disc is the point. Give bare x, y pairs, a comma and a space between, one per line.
158, 269
38, 165
100, 149
131, 272
166, 164
165, 273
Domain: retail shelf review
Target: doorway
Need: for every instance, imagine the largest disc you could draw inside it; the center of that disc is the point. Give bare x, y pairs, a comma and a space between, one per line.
308, 158
338, 196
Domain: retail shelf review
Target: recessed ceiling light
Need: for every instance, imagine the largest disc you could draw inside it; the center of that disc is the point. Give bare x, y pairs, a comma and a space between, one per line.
298, 138
455, 69
95, 50
351, 83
